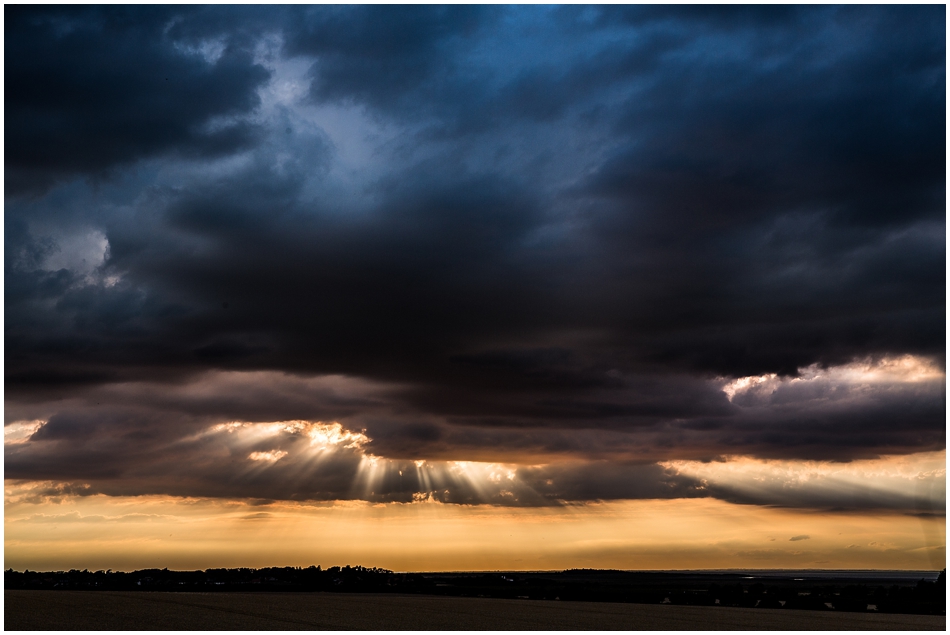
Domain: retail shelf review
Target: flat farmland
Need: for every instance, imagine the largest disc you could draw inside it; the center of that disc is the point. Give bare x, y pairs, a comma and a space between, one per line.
114, 610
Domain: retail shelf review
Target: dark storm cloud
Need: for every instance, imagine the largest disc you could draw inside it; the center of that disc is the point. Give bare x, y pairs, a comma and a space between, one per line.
384, 56
91, 88
530, 232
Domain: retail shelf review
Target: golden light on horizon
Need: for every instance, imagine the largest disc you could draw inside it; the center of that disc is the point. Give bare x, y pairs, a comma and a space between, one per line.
100, 532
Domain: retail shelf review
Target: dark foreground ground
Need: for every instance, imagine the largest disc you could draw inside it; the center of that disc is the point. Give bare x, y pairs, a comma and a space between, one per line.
917, 592
114, 610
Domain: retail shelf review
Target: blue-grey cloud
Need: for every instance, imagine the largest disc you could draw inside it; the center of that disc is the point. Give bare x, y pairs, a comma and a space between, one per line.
92, 88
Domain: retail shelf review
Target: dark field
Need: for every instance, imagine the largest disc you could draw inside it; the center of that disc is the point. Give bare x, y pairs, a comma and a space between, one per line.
917, 592
112, 610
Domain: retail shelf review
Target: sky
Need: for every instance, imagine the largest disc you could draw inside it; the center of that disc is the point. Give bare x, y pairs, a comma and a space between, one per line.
481, 288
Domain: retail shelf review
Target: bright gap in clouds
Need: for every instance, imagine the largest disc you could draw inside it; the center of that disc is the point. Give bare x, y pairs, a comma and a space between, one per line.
322, 435
905, 369
915, 483
20, 431
374, 476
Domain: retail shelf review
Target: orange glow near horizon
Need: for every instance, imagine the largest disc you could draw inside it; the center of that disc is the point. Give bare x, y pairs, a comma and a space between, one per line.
124, 533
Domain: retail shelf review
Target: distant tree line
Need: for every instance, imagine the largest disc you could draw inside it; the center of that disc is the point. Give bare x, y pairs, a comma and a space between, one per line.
699, 589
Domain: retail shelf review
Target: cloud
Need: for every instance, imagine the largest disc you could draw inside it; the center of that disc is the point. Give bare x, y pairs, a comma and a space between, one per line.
301, 460
797, 538
94, 88
77, 517
172, 441
383, 56
913, 484
592, 238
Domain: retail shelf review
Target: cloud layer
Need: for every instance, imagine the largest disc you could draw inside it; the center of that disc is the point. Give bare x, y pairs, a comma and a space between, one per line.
513, 235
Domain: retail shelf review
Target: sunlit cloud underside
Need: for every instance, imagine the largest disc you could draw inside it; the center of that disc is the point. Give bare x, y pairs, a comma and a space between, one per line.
317, 460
